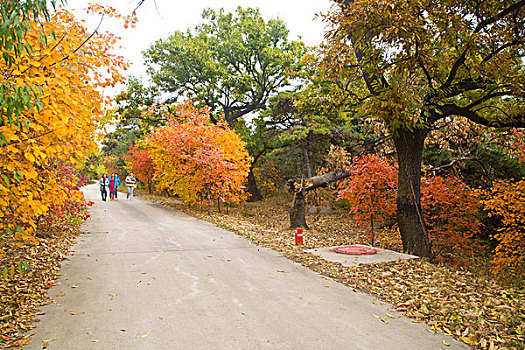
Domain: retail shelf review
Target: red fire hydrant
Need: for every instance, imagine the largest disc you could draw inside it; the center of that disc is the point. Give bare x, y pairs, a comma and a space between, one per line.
298, 236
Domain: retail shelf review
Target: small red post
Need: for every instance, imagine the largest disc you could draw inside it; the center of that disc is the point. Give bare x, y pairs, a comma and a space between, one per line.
298, 236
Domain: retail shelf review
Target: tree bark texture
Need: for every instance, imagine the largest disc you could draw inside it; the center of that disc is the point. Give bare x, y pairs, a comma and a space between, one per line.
254, 193
298, 209
409, 146
300, 187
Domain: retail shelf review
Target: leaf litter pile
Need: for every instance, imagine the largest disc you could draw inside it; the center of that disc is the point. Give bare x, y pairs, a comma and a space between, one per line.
468, 306
23, 291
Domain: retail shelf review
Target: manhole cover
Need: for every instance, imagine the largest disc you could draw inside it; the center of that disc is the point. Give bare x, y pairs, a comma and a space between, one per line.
355, 250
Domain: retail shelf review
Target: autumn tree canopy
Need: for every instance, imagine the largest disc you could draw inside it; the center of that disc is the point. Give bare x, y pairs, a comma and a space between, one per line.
197, 159
54, 129
422, 63
231, 63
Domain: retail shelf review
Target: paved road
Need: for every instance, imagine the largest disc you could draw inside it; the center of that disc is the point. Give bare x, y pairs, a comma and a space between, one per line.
148, 278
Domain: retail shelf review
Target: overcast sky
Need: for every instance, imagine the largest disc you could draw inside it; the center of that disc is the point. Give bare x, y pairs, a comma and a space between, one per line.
159, 18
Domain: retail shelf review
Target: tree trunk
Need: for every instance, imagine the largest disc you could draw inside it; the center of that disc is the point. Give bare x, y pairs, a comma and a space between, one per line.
306, 159
253, 190
298, 209
409, 146
299, 189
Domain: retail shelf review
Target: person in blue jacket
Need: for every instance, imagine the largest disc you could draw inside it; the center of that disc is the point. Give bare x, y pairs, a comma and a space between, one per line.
114, 183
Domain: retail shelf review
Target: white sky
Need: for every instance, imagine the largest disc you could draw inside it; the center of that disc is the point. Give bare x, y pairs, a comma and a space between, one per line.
175, 15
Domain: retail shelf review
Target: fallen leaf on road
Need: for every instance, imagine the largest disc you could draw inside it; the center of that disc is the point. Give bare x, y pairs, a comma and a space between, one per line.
45, 345
77, 313
122, 330
95, 340
109, 309
112, 295
74, 286
143, 273
392, 316
60, 295
376, 316
445, 343
144, 336
384, 320
48, 340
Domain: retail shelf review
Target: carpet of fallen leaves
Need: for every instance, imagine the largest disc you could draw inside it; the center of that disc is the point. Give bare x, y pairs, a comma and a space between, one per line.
22, 292
454, 301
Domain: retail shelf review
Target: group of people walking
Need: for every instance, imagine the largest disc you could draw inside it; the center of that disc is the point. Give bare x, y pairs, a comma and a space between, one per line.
112, 183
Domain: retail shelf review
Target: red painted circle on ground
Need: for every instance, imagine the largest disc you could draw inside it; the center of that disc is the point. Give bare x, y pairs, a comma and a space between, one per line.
355, 250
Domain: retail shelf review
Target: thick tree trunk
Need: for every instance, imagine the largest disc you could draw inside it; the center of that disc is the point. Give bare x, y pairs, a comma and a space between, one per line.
254, 193
409, 146
298, 209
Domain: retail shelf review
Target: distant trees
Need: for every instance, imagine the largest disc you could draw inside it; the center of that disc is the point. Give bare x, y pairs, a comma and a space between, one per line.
231, 63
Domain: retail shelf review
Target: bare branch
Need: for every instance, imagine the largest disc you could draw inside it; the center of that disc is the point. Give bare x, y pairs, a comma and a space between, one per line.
452, 109
513, 8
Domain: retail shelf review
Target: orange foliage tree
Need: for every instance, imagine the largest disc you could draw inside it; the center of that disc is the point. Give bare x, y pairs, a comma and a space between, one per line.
452, 215
141, 164
65, 72
370, 190
506, 201
198, 160
449, 207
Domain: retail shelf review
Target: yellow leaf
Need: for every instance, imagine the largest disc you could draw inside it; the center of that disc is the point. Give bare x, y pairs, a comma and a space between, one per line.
29, 157
77, 313
466, 340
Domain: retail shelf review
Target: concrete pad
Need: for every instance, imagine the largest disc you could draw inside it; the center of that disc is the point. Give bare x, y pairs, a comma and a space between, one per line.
384, 255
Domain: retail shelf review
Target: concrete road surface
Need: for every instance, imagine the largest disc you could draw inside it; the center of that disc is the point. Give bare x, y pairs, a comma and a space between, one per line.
149, 278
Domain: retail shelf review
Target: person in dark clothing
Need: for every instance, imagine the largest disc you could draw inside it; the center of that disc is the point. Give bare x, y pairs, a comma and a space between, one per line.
104, 184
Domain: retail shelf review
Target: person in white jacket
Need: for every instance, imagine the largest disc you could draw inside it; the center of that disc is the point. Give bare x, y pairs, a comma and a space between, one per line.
104, 184
131, 181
